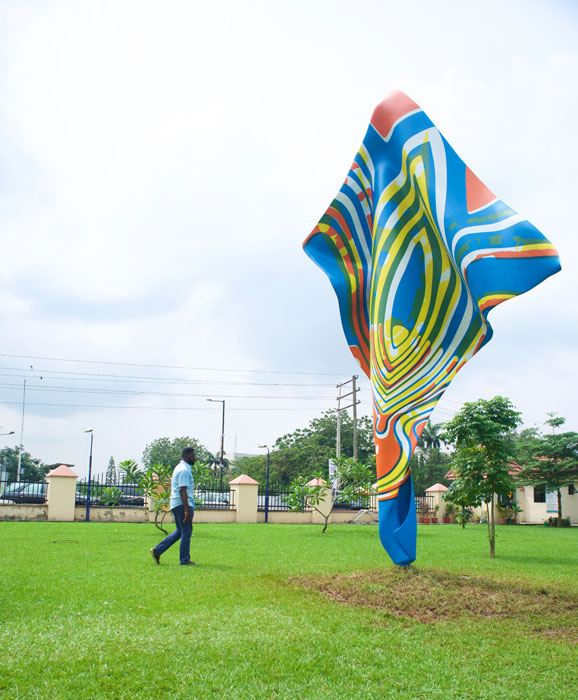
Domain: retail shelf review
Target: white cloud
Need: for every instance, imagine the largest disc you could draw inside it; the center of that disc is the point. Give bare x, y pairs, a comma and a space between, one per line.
163, 165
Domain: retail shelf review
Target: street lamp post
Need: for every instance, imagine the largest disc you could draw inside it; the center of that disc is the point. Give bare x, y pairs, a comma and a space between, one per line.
267, 486
87, 518
222, 436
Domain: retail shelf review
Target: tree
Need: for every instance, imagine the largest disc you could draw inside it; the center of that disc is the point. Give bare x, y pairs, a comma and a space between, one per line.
525, 443
554, 421
552, 462
31, 469
483, 435
352, 481
256, 467
111, 472
430, 437
167, 452
309, 449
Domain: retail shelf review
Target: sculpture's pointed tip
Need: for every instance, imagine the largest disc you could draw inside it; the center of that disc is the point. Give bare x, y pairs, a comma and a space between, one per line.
390, 110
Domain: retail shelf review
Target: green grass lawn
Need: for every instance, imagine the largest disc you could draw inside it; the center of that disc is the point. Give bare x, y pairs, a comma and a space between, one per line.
86, 613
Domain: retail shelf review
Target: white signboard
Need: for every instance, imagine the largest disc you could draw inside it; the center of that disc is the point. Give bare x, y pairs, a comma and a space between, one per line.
551, 501
332, 469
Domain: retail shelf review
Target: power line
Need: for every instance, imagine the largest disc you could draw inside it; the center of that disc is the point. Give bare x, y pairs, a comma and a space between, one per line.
161, 408
199, 369
96, 376
82, 390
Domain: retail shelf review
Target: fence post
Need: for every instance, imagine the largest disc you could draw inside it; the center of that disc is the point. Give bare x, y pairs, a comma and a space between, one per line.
246, 492
61, 494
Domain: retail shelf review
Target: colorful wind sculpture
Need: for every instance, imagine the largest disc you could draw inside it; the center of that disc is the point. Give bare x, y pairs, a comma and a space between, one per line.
418, 251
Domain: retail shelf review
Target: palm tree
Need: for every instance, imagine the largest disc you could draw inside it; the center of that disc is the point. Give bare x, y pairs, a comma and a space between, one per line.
430, 436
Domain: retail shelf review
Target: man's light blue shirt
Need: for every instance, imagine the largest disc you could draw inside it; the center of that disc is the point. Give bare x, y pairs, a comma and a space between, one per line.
182, 476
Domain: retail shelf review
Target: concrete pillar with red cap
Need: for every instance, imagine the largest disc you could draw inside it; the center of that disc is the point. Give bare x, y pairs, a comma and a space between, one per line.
246, 497
438, 491
61, 495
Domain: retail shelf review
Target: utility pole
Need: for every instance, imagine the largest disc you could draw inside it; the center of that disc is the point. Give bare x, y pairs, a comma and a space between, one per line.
19, 472
354, 402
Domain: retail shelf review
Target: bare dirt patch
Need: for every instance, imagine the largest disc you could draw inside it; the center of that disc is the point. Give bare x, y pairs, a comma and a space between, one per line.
431, 596
563, 634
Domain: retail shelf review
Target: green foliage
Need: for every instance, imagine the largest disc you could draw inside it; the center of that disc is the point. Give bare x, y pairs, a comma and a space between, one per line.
169, 452
449, 507
256, 467
111, 496
309, 449
429, 465
431, 435
352, 482
463, 515
130, 470
302, 495
525, 444
31, 469
558, 522
483, 435
554, 421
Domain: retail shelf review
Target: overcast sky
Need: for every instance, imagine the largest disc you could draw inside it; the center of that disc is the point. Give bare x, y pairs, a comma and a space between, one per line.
161, 164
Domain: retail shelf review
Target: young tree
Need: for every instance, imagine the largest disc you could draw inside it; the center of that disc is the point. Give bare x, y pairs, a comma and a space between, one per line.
482, 433
552, 462
352, 481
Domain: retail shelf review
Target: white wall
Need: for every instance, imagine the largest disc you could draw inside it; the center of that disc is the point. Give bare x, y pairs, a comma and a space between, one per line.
536, 512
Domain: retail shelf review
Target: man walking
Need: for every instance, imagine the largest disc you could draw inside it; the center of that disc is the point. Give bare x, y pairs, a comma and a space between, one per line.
183, 508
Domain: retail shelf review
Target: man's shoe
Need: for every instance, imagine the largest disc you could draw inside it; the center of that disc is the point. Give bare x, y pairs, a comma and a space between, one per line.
156, 555
189, 563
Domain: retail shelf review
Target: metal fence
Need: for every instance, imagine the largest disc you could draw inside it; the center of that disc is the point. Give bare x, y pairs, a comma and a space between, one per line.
424, 503
109, 491
214, 495
278, 498
342, 503
26, 492
115, 493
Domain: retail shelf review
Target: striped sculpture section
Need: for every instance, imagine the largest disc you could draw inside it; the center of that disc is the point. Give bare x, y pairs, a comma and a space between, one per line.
418, 251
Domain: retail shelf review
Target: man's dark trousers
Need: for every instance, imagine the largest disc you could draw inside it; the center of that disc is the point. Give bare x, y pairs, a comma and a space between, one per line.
183, 533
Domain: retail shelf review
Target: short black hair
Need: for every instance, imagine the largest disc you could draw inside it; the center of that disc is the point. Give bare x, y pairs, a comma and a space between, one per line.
187, 451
